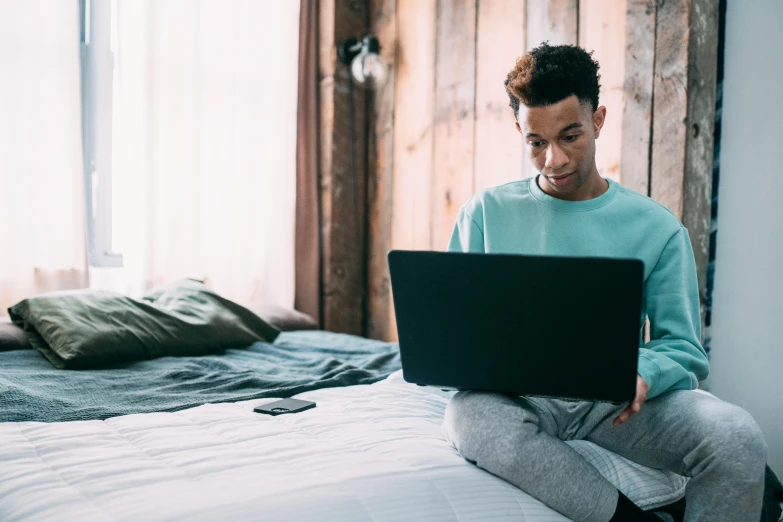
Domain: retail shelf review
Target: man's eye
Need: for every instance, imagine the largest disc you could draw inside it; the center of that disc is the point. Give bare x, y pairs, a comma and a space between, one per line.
535, 144
571, 137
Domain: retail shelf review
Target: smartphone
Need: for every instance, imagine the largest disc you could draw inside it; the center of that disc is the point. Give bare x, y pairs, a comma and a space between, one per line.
284, 406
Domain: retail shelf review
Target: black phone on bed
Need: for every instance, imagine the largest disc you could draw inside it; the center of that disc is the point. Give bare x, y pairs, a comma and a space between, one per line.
284, 406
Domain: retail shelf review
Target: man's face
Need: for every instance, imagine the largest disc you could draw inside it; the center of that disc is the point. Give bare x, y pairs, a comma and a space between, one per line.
560, 140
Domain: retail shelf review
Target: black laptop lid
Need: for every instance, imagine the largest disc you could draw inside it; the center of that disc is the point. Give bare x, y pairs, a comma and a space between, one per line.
524, 325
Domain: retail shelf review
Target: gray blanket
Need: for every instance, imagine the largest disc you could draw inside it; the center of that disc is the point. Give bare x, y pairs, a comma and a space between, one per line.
32, 390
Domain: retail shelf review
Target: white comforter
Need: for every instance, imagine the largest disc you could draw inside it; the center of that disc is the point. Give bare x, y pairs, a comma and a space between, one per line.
365, 453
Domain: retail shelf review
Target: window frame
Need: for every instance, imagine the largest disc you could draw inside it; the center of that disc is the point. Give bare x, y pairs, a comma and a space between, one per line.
97, 69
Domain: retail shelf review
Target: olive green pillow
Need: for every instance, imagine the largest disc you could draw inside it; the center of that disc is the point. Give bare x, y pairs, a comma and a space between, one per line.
89, 328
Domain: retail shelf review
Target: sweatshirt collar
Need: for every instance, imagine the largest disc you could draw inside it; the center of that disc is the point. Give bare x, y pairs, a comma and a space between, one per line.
572, 206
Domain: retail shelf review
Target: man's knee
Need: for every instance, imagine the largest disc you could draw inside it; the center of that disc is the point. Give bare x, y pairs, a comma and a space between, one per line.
463, 416
735, 441
482, 421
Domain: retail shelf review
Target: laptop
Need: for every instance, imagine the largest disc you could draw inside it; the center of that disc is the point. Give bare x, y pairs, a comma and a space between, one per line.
564, 327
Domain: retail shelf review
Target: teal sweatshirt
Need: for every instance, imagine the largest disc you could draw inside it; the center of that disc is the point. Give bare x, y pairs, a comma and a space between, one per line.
520, 218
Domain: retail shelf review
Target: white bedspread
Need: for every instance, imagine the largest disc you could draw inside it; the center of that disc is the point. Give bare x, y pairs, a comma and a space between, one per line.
365, 453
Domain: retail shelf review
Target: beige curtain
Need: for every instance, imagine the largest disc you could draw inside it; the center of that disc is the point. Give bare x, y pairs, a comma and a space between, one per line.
204, 155
42, 238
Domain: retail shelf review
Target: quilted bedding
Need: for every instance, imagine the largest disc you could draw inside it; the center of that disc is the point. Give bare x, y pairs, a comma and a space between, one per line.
365, 453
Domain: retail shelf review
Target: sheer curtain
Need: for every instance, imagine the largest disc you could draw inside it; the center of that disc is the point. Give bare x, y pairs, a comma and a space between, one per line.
42, 217
204, 145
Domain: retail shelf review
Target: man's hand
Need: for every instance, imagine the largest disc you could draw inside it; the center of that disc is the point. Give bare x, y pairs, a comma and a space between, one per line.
636, 405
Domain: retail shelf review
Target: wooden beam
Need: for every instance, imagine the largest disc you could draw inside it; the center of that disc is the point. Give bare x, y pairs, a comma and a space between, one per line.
702, 78
413, 137
342, 171
455, 93
602, 30
413, 120
555, 21
500, 40
326, 68
383, 22
638, 95
670, 104
684, 117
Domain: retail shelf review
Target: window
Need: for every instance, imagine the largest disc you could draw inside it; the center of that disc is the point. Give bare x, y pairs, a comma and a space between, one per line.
97, 63
189, 126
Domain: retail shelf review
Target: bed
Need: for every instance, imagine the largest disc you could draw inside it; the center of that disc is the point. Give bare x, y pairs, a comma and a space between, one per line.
367, 452
176, 438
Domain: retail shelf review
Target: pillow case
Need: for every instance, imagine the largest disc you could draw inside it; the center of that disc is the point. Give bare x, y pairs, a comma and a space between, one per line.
89, 329
286, 319
12, 337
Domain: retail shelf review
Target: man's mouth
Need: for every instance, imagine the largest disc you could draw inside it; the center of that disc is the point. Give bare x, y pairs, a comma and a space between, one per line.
562, 179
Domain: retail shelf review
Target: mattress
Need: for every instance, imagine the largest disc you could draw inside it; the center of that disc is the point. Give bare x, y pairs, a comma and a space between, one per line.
365, 453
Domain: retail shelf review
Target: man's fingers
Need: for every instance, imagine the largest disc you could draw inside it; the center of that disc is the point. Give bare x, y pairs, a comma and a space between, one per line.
636, 405
626, 413
630, 410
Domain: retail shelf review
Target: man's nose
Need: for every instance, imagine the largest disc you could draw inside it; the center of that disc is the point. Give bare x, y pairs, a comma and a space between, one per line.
555, 157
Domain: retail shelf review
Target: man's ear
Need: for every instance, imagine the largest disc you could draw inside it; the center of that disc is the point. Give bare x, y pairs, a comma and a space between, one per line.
599, 116
519, 129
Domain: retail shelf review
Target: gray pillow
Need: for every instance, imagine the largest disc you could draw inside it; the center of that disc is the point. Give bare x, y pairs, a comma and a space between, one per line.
12, 337
286, 319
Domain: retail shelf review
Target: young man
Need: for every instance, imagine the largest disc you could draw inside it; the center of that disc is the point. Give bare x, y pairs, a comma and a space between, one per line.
568, 209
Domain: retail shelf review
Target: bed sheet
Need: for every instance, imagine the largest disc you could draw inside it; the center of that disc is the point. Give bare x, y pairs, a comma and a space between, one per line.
365, 453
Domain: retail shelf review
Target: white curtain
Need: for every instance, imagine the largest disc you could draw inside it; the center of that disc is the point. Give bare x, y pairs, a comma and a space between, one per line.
42, 232
204, 133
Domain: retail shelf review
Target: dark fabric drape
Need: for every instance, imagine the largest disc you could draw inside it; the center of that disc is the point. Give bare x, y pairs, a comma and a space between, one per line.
308, 238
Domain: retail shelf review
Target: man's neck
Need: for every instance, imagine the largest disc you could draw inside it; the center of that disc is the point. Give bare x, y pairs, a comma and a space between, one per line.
592, 188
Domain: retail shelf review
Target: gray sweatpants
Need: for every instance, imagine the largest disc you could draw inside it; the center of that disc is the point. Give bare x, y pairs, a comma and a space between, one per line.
696, 435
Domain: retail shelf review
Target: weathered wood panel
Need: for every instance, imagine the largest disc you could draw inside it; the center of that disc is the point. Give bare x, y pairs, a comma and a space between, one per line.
602, 30
500, 40
638, 95
441, 128
670, 104
702, 77
455, 91
383, 21
343, 171
413, 121
326, 68
555, 21
684, 117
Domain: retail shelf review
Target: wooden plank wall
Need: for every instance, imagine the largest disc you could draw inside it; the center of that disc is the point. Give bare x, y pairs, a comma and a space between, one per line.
670, 104
343, 171
603, 31
699, 140
441, 128
554, 21
454, 132
383, 20
500, 40
414, 99
638, 94
676, 125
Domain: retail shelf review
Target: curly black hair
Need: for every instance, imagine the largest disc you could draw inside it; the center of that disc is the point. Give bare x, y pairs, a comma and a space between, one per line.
551, 73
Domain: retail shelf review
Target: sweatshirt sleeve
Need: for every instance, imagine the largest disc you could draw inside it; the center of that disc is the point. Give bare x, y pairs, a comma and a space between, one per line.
674, 358
467, 236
